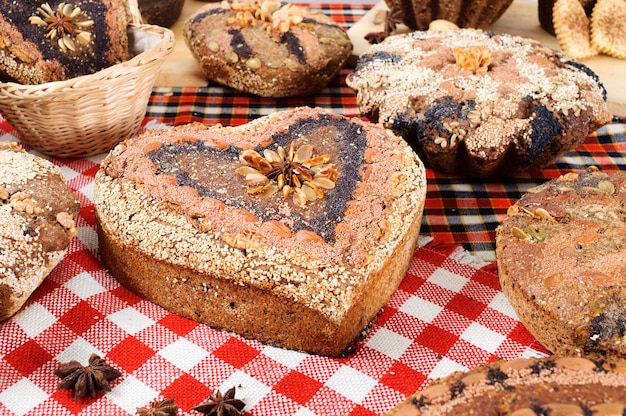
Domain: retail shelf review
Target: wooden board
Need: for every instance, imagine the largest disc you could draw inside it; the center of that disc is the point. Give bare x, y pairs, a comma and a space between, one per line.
520, 19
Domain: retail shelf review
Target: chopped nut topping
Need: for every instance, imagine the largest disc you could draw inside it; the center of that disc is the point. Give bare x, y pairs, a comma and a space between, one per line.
86, 380
475, 59
286, 171
275, 17
64, 25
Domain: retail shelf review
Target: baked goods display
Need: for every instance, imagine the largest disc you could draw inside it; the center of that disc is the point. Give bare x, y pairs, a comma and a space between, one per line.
160, 12
267, 48
561, 259
293, 229
37, 213
417, 14
586, 28
545, 10
477, 103
526, 386
54, 41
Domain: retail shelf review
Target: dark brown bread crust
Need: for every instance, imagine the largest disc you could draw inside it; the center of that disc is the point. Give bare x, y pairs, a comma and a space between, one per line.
261, 59
27, 56
562, 258
544, 11
38, 211
161, 12
525, 387
177, 226
417, 14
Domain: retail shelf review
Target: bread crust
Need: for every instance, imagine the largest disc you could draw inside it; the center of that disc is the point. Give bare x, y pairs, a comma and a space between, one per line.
269, 57
37, 212
313, 289
28, 56
525, 386
561, 262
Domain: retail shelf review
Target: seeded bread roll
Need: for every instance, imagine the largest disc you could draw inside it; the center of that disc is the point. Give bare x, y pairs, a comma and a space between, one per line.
561, 255
267, 48
54, 41
37, 213
476, 103
293, 229
525, 387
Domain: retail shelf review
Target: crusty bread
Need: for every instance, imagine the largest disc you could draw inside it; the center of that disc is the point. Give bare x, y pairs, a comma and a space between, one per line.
37, 213
184, 220
160, 12
92, 36
525, 387
561, 254
476, 103
267, 48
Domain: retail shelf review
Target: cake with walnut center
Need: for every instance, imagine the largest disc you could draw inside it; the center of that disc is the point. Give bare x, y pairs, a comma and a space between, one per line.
476, 103
293, 229
561, 255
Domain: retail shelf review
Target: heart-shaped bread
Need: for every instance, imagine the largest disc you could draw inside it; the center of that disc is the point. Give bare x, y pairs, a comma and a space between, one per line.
293, 229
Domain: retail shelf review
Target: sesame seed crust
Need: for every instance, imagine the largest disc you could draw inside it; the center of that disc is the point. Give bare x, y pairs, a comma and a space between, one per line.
522, 110
37, 213
326, 276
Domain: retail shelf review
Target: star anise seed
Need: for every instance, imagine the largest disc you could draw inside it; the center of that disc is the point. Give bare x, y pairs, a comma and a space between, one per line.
219, 405
165, 407
86, 380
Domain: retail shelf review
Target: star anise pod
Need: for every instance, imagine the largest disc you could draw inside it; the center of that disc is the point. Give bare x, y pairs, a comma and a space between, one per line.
86, 380
376, 37
219, 405
165, 407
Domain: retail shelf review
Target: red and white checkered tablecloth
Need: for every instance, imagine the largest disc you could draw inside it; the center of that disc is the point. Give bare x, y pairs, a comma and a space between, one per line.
448, 314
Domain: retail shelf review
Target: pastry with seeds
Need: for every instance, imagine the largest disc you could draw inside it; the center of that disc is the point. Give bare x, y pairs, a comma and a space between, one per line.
37, 212
556, 385
477, 103
561, 254
54, 41
294, 229
266, 47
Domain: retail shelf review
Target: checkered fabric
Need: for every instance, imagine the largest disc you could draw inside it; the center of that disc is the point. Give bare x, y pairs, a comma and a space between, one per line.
447, 315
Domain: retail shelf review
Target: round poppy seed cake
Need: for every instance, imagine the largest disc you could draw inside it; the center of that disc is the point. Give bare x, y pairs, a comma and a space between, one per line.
54, 41
293, 229
266, 47
476, 103
37, 212
561, 254
556, 385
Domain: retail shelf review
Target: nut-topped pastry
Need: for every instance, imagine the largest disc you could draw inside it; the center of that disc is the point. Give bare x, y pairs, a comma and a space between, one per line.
476, 103
556, 385
37, 212
294, 229
266, 47
53, 41
561, 255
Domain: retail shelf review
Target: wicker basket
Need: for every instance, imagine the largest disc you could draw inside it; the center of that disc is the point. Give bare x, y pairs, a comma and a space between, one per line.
89, 114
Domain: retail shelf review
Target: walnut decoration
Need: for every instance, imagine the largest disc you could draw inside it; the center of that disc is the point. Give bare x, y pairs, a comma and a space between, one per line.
64, 25
86, 380
289, 171
274, 16
475, 59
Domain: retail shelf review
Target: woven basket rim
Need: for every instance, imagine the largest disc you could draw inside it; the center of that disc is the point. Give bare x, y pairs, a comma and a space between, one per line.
166, 43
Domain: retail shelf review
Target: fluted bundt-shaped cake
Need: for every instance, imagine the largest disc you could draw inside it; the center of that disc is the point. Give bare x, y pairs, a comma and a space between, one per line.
417, 14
